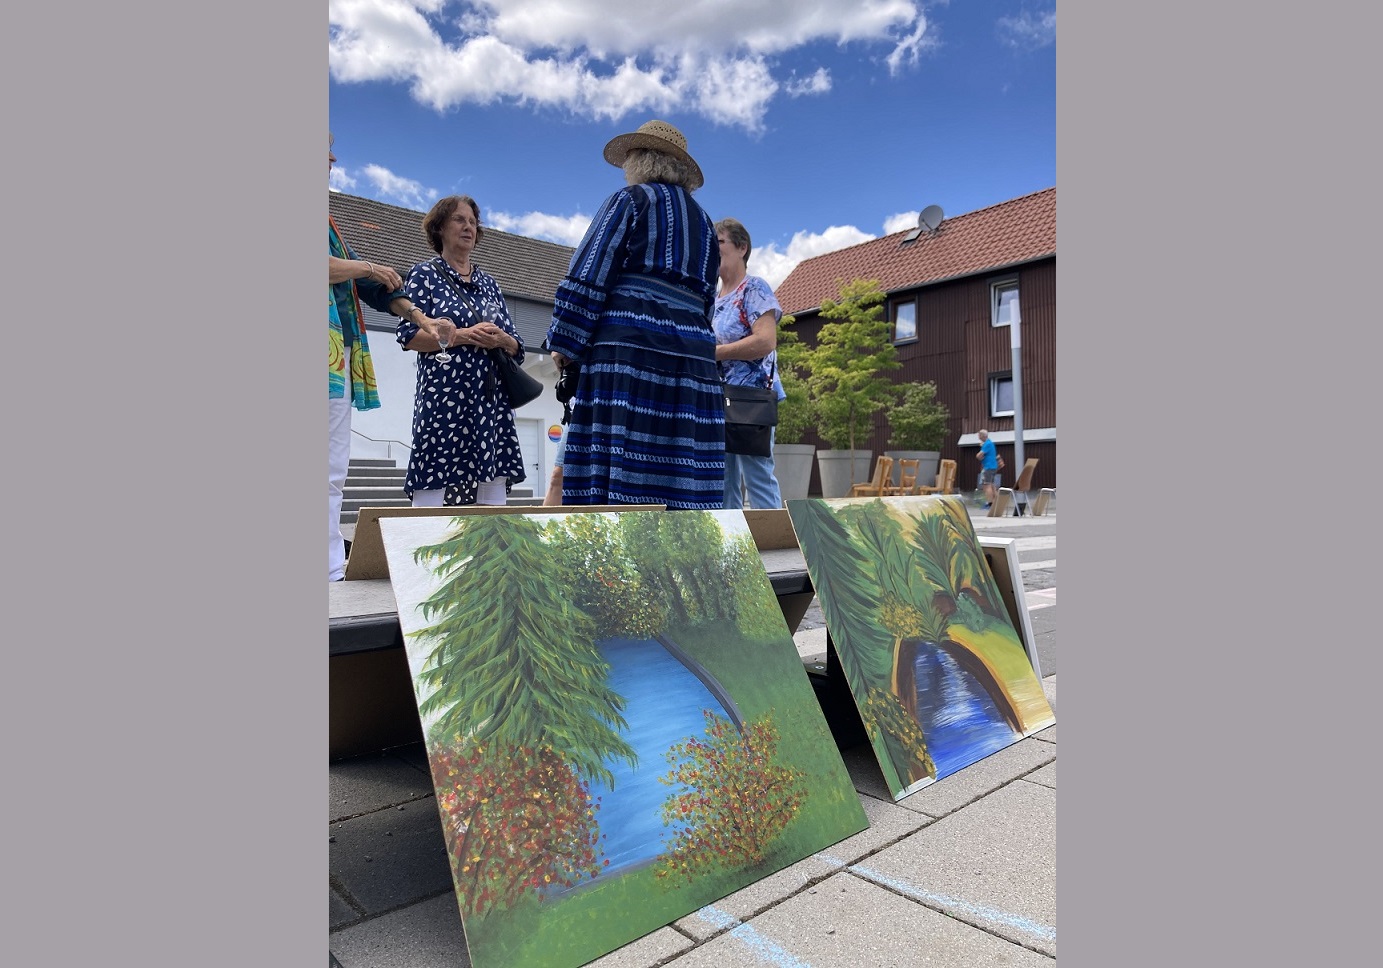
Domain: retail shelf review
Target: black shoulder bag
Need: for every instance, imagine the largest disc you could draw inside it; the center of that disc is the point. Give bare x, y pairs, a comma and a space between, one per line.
751, 413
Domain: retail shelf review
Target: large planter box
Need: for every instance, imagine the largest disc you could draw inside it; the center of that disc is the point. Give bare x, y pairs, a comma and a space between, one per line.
792, 465
929, 463
840, 469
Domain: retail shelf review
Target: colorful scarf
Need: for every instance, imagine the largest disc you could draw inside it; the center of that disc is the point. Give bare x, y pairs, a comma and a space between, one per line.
364, 390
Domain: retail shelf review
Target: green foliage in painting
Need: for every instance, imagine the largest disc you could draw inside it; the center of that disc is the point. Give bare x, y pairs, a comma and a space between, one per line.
681, 562
589, 558
850, 596
755, 607
516, 820
886, 719
735, 799
945, 552
515, 662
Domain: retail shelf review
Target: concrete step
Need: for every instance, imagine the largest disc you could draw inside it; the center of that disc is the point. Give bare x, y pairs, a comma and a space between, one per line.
375, 480
372, 462
373, 498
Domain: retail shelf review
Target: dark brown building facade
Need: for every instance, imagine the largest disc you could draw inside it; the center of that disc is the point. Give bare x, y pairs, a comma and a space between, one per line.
954, 296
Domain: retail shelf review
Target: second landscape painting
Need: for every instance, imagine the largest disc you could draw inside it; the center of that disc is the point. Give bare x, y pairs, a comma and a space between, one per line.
619, 726
937, 670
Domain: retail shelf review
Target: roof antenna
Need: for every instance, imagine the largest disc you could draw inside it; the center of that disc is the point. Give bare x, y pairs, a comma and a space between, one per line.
928, 220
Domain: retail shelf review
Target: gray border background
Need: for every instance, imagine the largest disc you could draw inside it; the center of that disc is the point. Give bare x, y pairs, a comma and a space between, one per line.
165, 623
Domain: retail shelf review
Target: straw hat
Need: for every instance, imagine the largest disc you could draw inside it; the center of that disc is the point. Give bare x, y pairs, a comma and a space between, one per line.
658, 135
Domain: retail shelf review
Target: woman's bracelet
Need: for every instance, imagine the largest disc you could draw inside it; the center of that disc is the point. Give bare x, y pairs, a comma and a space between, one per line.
371, 273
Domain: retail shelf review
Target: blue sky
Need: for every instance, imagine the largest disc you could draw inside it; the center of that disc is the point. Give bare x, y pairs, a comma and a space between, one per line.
817, 124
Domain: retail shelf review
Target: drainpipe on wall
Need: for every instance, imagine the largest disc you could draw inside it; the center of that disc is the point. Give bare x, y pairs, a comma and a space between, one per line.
1015, 337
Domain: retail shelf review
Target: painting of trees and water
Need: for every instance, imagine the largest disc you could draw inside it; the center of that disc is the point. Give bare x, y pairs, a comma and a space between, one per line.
619, 726
938, 672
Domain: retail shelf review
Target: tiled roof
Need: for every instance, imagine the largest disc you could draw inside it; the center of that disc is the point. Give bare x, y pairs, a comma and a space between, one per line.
1010, 233
394, 236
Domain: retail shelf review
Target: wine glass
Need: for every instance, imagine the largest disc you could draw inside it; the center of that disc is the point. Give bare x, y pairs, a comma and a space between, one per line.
446, 329
491, 309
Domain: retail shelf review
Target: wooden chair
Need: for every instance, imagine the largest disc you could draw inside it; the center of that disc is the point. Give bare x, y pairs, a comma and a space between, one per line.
907, 476
883, 476
1044, 497
945, 480
1024, 484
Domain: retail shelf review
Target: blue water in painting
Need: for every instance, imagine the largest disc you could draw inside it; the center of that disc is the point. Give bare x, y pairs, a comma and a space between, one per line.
664, 707
960, 721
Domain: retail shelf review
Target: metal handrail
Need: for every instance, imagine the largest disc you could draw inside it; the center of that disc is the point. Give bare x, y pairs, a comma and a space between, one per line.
390, 443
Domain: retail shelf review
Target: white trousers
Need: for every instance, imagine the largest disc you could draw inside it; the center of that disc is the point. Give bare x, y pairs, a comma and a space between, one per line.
338, 462
491, 492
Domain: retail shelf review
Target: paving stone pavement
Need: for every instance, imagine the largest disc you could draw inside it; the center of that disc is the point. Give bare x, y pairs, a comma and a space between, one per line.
960, 873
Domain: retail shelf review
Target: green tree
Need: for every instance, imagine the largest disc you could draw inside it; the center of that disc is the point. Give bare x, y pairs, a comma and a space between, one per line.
589, 558
845, 370
918, 421
795, 410
680, 555
514, 662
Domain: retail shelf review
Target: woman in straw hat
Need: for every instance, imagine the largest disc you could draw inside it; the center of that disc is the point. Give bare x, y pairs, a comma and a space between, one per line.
648, 418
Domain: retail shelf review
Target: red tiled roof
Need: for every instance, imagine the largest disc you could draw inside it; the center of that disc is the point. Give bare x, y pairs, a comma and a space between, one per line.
1012, 232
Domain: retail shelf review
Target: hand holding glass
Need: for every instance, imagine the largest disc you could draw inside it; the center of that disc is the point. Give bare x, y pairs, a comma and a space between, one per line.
446, 329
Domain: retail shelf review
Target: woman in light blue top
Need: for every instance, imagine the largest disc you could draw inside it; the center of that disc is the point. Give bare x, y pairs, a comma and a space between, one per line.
746, 326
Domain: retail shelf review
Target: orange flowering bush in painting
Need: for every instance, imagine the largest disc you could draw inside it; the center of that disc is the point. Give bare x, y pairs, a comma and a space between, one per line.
516, 821
736, 802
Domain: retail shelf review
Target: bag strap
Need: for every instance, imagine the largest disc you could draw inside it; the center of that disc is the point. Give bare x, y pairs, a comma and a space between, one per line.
749, 331
460, 293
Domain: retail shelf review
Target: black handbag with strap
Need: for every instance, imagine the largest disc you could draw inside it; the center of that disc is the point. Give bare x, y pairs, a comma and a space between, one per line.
751, 413
519, 386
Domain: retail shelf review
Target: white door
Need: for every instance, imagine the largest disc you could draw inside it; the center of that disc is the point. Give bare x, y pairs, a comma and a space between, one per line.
531, 444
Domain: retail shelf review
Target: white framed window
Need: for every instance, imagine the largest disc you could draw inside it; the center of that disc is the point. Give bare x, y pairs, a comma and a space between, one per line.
1003, 301
1001, 394
904, 322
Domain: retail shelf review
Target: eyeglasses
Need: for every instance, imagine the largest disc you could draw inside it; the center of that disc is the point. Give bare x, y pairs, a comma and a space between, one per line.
463, 220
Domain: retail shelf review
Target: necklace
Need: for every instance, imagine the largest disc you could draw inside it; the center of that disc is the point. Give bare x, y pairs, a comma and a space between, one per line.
463, 276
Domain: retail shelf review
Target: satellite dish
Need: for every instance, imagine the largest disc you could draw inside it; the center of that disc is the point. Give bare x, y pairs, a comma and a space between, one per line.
930, 218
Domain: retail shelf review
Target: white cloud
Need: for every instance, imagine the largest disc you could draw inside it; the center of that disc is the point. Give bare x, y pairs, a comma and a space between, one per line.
818, 83
404, 192
1028, 31
911, 48
610, 58
340, 180
900, 222
562, 229
774, 266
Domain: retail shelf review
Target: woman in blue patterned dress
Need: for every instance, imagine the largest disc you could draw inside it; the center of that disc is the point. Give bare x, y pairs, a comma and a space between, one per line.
648, 418
465, 446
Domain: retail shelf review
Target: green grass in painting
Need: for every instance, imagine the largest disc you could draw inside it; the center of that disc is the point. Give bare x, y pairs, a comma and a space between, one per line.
578, 927
765, 677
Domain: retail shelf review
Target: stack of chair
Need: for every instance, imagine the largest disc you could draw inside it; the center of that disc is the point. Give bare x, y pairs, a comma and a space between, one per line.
945, 480
907, 477
874, 487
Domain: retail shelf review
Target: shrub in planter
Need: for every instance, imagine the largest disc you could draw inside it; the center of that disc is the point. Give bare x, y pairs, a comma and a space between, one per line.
918, 420
795, 411
844, 371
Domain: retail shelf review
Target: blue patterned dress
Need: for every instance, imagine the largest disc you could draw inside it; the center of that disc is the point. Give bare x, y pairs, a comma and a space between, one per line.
648, 418
463, 429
